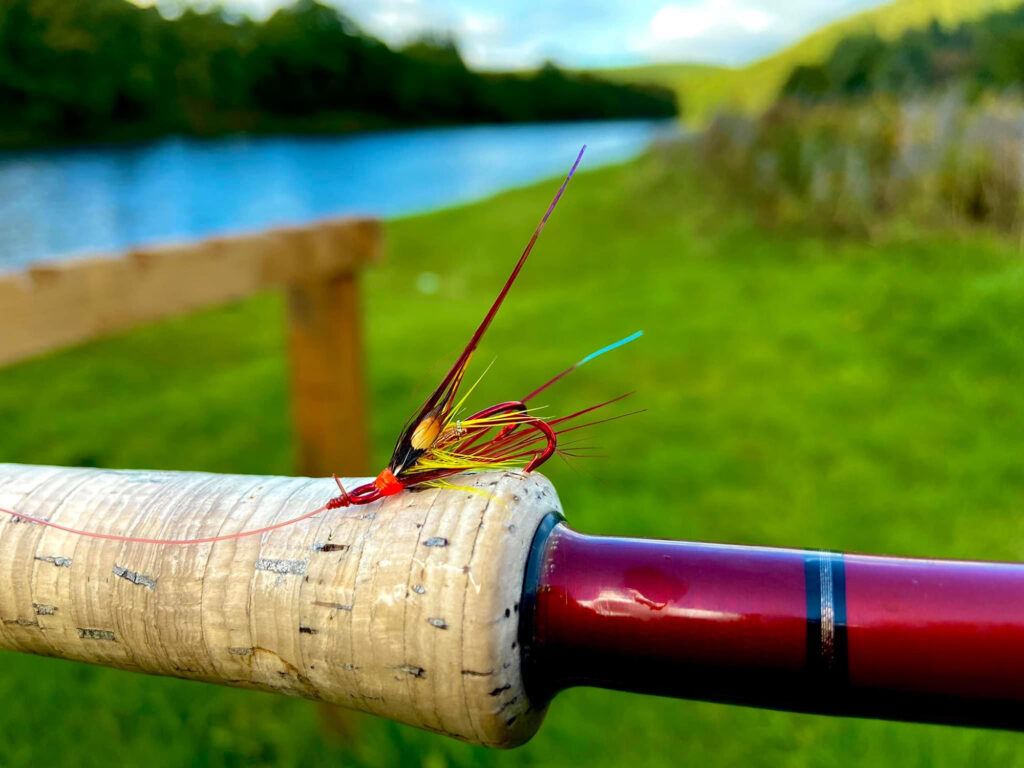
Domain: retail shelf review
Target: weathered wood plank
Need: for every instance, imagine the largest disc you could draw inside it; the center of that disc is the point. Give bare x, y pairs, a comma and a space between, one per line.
54, 305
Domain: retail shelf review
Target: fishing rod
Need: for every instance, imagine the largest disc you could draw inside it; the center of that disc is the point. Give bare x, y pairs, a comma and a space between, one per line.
453, 598
466, 611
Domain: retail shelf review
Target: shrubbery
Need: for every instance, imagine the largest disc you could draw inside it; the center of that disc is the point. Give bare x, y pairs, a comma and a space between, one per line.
850, 167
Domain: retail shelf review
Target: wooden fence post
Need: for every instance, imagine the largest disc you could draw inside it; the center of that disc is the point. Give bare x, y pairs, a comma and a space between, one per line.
328, 390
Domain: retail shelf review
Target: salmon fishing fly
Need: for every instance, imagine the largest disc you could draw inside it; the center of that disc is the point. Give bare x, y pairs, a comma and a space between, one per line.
438, 442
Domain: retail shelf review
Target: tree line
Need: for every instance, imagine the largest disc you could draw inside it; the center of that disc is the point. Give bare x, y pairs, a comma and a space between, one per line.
75, 70
982, 55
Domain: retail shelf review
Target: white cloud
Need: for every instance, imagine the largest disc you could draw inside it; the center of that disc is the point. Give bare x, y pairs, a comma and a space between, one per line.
481, 25
723, 31
397, 20
681, 22
486, 42
484, 39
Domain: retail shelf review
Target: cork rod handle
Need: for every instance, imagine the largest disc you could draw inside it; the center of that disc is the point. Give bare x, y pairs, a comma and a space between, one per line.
407, 608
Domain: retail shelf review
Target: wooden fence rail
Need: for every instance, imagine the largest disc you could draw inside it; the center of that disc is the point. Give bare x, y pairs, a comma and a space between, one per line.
53, 305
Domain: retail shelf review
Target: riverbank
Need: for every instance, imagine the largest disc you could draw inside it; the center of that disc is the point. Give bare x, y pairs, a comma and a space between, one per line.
800, 391
324, 124
327, 124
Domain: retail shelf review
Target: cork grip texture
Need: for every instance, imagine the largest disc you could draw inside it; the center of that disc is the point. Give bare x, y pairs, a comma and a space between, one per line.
406, 608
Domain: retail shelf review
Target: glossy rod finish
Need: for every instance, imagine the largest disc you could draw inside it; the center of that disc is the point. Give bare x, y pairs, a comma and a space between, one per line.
885, 637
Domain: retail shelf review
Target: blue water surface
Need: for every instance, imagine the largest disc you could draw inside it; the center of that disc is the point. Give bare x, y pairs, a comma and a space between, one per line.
61, 203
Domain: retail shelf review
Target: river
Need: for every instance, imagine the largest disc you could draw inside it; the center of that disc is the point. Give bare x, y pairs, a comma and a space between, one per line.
60, 203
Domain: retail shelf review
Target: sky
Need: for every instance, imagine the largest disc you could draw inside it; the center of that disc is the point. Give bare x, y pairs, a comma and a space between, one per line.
516, 34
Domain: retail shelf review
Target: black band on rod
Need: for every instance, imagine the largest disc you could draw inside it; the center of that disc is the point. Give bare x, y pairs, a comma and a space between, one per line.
827, 649
537, 681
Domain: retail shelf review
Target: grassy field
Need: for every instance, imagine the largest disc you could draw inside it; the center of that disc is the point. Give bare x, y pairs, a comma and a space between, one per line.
800, 391
704, 90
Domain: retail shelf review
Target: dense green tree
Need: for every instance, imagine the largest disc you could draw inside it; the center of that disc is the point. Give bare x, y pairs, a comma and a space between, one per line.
107, 69
985, 54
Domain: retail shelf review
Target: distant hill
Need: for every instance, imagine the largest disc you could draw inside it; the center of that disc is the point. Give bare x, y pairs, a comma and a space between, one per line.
704, 89
662, 74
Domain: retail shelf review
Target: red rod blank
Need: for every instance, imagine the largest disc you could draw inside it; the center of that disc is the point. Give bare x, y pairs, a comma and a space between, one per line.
928, 640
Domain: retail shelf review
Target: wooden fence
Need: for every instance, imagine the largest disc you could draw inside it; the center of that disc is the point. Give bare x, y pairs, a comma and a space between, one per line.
57, 304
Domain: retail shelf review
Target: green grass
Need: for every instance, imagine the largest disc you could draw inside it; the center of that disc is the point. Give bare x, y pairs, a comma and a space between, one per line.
704, 90
800, 391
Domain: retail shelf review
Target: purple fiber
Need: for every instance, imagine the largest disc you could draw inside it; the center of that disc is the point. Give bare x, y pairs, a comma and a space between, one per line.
561, 189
